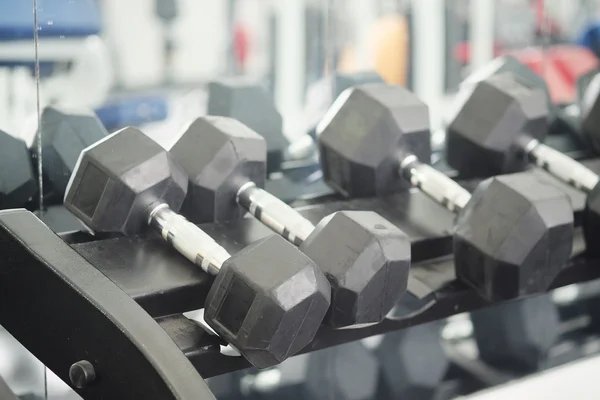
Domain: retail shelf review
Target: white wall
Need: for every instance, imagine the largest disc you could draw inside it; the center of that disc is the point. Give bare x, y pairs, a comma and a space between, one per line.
136, 36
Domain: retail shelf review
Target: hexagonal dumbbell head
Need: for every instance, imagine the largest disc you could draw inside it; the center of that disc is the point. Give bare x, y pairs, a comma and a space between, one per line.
219, 154
268, 300
513, 237
349, 371
65, 134
413, 362
588, 92
511, 65
362, 134
252, 105
517, 334
490, 116
118, 181
17, 181
591, 221
321, 94
366, 259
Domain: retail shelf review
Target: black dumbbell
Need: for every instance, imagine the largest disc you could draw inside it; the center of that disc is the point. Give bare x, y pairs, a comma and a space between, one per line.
534, 333
573, 118
517, 335
253, 105
17, 180
586, 109
510, 64
511, 237
498, 128
579, 118
65, 134
413, 363
319, 97
321, 94
127, 181
365, 258
345, 372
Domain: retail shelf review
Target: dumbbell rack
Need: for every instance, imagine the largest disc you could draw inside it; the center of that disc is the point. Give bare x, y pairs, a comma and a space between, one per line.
117, 302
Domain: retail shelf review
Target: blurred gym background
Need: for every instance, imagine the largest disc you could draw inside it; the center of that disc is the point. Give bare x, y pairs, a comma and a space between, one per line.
144, 61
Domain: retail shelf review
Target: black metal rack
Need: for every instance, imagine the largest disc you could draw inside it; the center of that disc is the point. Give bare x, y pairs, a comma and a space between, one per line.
117, 301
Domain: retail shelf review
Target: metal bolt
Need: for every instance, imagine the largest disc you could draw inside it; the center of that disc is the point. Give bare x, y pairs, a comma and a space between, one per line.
82, 374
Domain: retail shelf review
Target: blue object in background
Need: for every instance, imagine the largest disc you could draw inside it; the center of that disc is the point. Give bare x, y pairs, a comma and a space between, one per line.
56, 19
127, 111
590, 38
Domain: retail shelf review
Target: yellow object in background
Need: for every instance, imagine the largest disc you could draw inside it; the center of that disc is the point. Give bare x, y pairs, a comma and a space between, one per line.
389, 40
347, 63
388, 44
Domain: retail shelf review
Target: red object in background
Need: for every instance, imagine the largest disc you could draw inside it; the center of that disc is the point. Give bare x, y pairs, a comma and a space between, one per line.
241, 45
560, 68
573, 61
462, 52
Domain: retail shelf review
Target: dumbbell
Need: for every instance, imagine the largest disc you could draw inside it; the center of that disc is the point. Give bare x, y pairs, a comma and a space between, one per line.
253, 105
569, 118
509, 63
126, 182
584, 114
498, 127
576, 118
512, 236
365, 257
319, 97
516, 335
321, 94
65, 133
17, 180
413, 363
345, 372
520, 335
